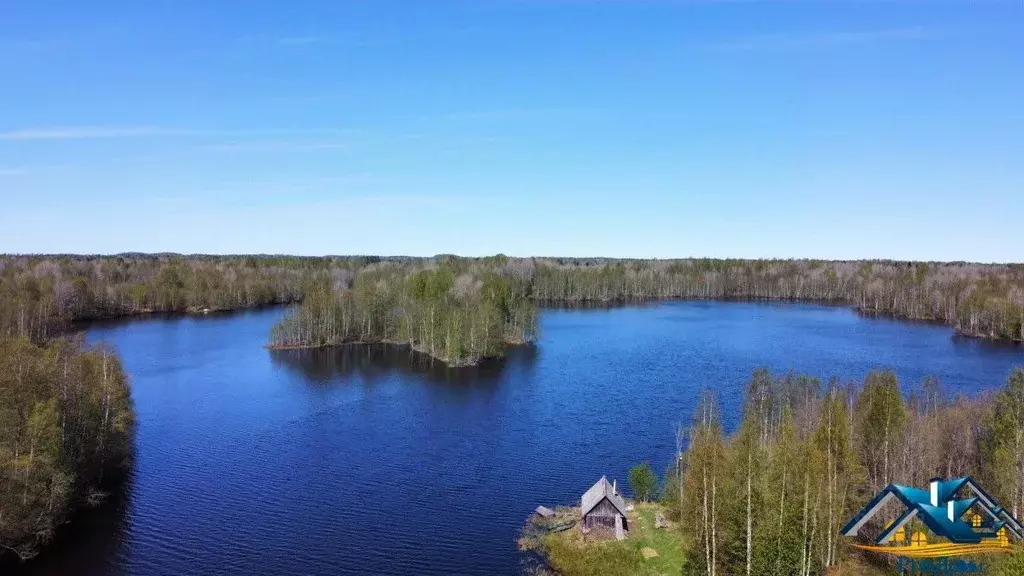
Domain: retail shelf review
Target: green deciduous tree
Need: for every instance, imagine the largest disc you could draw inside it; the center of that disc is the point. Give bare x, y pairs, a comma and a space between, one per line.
703, 490
643, 481
881, 417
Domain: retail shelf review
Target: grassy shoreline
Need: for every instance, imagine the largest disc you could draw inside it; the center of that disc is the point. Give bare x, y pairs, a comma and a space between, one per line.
646, 551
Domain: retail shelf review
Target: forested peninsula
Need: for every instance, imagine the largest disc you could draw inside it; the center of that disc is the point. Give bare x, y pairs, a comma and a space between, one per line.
66, 425
820, 451
771, 497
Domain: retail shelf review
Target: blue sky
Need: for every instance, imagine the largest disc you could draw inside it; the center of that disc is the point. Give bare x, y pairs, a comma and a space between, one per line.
634, 128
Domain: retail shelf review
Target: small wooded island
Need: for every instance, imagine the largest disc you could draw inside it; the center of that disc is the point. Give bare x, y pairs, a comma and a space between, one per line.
456, 311
66, 420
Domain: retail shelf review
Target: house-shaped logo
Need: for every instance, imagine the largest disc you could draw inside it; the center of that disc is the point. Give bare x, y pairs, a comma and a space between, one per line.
962, 518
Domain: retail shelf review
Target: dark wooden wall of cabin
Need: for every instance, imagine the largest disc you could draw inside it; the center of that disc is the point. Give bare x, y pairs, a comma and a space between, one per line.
602, 515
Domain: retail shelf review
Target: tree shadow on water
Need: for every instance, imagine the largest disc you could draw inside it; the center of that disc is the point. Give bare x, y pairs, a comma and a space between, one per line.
92, 540
372, 362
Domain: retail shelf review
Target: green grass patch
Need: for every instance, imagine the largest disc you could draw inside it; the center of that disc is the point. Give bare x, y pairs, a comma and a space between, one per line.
647, 551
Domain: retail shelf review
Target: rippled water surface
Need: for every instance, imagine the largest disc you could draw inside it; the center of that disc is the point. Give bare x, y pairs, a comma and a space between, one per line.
371, 461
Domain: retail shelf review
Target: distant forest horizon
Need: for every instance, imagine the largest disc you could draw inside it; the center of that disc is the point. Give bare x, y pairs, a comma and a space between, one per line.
591, 258
39, 294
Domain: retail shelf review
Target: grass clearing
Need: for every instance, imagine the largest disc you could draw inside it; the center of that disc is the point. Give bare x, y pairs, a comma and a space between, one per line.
647, 551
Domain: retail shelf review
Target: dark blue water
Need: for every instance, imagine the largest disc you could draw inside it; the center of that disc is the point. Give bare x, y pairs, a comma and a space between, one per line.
374, 461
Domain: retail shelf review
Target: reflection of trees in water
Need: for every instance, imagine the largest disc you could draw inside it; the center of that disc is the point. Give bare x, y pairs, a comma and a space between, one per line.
377, 361
90, 542
986, 345
172, 317
598, 304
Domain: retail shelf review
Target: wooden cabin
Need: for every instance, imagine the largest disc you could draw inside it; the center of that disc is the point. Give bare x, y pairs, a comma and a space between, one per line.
603, 507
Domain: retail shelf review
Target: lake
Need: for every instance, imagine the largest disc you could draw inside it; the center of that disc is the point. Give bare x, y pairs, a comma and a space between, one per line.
370, 460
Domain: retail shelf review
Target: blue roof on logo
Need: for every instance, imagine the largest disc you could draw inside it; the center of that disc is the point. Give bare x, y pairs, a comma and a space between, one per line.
942, 515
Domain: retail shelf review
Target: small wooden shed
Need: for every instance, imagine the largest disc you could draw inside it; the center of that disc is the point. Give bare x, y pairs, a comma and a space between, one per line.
602, 506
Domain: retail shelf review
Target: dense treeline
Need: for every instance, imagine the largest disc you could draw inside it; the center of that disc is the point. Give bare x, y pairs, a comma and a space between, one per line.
38, 293
65, 426
459, 311
771, 498
977, 299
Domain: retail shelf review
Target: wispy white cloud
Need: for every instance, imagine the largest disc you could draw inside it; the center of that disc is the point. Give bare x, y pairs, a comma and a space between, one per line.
273, 146
110, 132
354, 187
30, 170
302, 40
305, 183
299, 42
509, 114
794, 40
84, 132
283, 188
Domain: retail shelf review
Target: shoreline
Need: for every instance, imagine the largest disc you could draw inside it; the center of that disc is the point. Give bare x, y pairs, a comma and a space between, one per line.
448, 363
611, 303
146, 313
541, 303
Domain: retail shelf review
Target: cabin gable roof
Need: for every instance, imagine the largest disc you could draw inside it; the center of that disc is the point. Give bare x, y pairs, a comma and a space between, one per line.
600, 491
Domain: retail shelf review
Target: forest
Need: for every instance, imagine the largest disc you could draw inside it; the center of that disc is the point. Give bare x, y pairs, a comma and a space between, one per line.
455, 310
442, 305
39, 295
771, 498
66, 426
